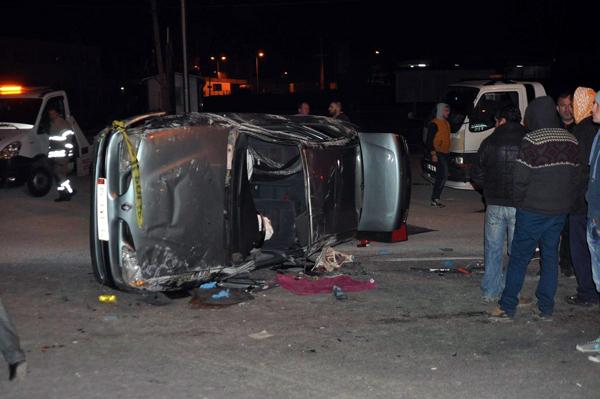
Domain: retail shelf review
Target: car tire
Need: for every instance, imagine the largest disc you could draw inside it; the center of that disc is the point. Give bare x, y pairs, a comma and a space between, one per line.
40, 181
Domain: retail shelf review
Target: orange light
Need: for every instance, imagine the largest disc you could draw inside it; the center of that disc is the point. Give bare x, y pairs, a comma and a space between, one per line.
11, 89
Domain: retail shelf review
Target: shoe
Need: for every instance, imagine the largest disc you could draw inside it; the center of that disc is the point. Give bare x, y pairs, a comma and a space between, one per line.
567, 272
499, 315
539, 316
576, 300
489, 299
17, 371
594, 358
525, 301
436, 204
592, 346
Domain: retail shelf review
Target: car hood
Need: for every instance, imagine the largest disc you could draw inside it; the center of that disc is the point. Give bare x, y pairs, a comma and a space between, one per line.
11, 135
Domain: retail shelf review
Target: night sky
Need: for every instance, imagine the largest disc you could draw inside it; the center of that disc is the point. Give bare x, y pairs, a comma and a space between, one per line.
292, 32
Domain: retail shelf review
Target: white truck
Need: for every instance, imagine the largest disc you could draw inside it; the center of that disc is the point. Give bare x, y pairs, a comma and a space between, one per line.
24, 137
473, 105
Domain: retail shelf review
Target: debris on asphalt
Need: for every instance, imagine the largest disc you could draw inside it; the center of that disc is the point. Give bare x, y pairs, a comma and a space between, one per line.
329, 260
363, 243
260, 335
338, 293
218, 297
384, 252
206, 286
306, 285
107, 298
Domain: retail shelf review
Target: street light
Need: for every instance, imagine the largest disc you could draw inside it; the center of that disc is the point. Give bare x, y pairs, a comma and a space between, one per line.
222, 58
259, 55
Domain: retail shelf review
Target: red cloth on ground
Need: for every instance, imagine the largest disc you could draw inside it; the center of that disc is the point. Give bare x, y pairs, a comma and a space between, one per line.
324, 285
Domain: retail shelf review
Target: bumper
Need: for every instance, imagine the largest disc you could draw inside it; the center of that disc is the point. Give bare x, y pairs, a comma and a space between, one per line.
15, 170
459, 170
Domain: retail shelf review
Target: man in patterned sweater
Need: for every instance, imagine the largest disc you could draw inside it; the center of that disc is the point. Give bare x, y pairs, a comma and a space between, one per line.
545, 182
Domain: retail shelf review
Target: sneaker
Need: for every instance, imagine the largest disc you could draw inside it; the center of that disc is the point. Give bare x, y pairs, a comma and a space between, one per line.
437, 204
499, 315
592, 346
594, 358
17, 371
489, 299
525, 301
578, 301
539, 316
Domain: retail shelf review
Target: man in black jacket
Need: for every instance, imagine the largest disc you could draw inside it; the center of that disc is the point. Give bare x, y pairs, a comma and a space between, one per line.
545, 181
497, 156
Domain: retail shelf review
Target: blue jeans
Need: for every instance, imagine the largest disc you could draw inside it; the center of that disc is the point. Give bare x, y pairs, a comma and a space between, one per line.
531, 228
499, 226
593, 239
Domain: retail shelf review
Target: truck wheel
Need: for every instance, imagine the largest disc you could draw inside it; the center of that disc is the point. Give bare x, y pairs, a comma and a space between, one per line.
39, 182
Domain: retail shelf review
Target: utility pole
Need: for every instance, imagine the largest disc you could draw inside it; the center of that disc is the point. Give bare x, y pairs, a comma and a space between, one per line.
164, 97
186, 83
322, 72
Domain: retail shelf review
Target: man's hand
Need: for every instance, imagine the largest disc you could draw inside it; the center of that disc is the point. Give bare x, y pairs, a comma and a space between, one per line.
434, 157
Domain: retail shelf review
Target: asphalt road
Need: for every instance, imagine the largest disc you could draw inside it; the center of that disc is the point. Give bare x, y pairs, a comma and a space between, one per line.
419, 335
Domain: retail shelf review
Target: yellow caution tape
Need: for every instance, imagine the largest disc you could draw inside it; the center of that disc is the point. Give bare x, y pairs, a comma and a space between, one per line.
119, 126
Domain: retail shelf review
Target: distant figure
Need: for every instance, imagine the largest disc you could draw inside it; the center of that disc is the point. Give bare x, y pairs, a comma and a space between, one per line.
303, 108
10, 347
438, 144
61, 152
564, 107
335, 111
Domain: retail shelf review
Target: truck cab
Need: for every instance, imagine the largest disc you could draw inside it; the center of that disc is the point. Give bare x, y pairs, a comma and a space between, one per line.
24, 137
473, 105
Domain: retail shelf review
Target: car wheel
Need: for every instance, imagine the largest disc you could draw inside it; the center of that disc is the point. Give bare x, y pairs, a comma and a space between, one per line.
39, 182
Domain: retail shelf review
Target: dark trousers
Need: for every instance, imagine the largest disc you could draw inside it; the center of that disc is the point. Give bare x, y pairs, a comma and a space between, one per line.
564, 260
582, 261
531, 228
441, 174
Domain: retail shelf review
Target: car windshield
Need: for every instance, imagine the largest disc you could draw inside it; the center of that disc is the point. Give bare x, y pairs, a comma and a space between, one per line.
19, 110
460, 99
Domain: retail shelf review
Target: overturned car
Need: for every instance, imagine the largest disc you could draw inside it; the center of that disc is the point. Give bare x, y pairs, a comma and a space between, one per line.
178, 200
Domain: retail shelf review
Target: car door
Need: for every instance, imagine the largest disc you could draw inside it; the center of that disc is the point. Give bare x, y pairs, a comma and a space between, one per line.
181, 192
385, 164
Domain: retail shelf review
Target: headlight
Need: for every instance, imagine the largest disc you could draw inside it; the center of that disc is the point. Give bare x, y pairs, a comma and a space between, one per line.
11, 150
459, 160
132, 272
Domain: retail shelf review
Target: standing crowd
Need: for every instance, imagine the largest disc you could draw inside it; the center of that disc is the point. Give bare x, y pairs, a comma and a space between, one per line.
540, 182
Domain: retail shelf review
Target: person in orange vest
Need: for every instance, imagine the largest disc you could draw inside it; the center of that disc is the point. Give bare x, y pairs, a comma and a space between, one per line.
438, 143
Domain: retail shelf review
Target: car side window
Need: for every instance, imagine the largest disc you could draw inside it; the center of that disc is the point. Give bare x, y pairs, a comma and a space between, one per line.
482, 117
57, 103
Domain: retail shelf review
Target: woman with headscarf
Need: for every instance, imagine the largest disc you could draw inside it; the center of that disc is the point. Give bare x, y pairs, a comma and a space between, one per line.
584, 131
438, 143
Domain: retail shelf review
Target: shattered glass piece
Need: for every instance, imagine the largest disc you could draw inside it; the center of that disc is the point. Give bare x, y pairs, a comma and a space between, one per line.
329, 260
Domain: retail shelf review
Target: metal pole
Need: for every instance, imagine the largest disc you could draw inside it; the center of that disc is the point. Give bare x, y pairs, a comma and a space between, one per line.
186, 83
257, 84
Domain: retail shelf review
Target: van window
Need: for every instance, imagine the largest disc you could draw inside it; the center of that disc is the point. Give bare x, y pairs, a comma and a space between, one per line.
57, 103
530, 92
483, 115
460, 99
18, 110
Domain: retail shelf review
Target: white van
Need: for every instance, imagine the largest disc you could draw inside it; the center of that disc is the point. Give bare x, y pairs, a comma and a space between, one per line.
473, 105
24, 136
